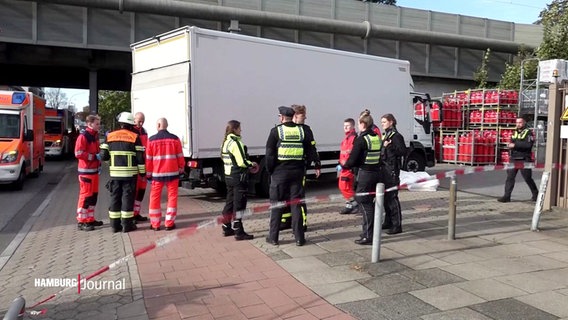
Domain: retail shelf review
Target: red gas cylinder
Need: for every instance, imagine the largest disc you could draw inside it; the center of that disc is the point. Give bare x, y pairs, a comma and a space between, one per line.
469, 150
461, 148
435, 112
446, 148
494, 96
474, 97
480, 149
504, 156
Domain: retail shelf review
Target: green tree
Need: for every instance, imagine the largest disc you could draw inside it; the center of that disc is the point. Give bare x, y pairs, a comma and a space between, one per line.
482, 73
554, 20
111, 103
511, 78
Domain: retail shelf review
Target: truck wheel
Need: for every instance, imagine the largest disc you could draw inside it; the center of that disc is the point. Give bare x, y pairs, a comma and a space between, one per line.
263, 186
221, 189
415, 162
36, 173
19, 184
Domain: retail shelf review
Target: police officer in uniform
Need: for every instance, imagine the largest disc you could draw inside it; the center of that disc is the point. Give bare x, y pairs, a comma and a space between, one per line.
288, 149
365, 156
299, 119
520, 147
236, 167
126, 154
392, 150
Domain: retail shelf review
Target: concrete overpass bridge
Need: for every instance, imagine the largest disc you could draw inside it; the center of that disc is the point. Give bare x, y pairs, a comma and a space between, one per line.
85, 43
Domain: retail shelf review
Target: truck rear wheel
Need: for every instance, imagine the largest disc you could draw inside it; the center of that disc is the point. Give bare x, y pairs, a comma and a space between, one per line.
415, 162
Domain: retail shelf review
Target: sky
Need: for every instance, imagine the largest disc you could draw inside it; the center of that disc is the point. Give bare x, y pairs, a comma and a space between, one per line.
518, 11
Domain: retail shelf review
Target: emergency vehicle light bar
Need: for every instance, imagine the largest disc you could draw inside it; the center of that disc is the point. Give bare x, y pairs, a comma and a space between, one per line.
18, 97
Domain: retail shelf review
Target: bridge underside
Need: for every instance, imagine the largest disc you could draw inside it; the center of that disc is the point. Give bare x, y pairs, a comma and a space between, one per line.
63, 67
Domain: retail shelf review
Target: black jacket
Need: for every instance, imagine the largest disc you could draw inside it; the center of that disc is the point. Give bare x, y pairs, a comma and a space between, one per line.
523, 145
392, 154
314, 152
359, 152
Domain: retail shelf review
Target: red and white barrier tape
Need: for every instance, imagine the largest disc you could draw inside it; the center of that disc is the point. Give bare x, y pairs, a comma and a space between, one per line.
282, 204
156, 244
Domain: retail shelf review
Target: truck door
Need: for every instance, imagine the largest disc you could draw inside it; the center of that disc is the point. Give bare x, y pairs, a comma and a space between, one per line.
422, 124
27, 145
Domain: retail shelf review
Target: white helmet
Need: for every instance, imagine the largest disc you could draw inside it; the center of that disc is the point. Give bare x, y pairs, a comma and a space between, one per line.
125, 117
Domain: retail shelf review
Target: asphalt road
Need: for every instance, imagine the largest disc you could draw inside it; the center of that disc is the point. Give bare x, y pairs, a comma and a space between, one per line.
17, 206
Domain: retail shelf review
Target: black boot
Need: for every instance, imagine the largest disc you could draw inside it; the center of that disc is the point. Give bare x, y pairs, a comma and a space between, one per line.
227, 230
240, 233
128, 225
96, 223
115, 225
140, 218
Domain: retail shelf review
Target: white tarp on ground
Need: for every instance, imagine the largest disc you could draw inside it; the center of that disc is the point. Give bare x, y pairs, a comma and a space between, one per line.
410, 177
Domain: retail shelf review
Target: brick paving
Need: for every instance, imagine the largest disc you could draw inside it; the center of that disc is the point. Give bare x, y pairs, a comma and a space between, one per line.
207, 276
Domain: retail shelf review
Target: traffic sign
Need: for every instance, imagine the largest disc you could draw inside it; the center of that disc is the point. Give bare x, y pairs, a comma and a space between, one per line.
564, 115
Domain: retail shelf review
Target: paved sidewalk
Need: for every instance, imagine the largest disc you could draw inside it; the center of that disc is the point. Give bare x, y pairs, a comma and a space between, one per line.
207, 276
54, 248
495, 269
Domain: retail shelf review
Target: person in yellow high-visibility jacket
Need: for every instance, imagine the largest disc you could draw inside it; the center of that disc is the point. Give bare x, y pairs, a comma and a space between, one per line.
299, 119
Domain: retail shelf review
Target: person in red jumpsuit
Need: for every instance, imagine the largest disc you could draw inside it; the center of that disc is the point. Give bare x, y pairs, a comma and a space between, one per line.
164, 164
346, 176
141, 183
89, 163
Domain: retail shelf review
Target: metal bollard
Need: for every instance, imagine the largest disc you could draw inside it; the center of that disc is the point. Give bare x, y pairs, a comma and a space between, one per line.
378, 221
17, 309
452, 212
540, 200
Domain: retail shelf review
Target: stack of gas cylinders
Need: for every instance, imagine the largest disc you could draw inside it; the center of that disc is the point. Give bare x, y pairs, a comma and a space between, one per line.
473, 146
476, 125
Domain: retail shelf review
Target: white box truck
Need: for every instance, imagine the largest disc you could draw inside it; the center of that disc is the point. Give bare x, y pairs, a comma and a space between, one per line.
199, 79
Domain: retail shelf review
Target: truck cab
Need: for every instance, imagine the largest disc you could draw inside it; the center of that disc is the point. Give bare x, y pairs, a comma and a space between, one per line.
57, 139
21, 136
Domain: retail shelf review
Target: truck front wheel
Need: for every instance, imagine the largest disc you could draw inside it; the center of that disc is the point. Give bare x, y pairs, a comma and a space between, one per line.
415, 162
19, 184
263, 185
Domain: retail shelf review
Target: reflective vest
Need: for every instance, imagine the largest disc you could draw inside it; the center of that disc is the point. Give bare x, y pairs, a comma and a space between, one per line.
233, 154
291, 144
373, 149
520, 136
125, 152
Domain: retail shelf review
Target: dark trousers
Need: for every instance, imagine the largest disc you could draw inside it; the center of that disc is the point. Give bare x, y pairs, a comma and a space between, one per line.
393, 212
367, 182
122, 198
286, 185
237, 186
510, 182
287, 216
